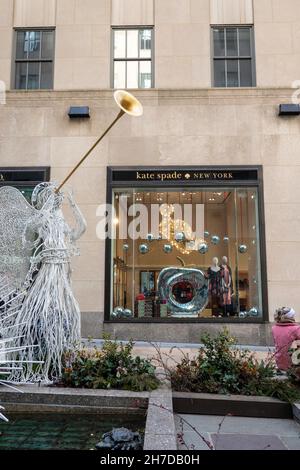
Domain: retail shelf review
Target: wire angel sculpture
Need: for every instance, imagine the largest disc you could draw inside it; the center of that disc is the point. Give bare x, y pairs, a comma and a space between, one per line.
37, 305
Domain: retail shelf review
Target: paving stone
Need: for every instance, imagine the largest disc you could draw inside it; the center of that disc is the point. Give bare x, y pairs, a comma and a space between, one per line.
194, 442
292, 443
247, 442
160, 442
263, 426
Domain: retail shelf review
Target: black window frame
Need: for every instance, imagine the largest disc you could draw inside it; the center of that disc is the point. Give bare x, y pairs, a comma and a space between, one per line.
131, 59
21, 177
238, 58
27, 60
251, 181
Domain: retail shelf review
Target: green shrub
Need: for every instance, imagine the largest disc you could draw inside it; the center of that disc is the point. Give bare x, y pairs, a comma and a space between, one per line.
112, 367
220, 368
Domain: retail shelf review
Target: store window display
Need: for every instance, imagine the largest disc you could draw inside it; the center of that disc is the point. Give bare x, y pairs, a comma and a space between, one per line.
197, 254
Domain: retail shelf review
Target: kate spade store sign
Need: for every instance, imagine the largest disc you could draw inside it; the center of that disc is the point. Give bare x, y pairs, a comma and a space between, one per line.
183, 175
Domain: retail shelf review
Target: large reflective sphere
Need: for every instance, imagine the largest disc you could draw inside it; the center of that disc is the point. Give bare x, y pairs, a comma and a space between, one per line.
243, 249
168, 249
253, 312
215, 240
127, 313
144, 249
203, 248
118, 312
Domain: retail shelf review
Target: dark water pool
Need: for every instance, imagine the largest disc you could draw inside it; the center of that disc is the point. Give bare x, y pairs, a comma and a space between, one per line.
59, 431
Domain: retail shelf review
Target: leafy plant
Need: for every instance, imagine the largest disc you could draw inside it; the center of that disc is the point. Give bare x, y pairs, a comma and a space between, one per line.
221, 368
112, 367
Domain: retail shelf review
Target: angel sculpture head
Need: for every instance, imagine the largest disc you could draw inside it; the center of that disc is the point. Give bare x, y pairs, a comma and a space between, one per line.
44, 196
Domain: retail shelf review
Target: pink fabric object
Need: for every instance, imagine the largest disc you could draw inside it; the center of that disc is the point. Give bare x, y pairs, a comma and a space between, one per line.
284, 334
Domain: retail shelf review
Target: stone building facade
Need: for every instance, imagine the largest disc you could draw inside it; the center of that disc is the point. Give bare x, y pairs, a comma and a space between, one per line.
188, 123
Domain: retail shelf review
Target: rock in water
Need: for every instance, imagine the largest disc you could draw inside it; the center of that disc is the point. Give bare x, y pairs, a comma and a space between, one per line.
121, 439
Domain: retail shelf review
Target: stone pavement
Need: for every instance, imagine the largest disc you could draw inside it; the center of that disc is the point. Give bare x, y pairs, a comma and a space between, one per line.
176, 350
234, 433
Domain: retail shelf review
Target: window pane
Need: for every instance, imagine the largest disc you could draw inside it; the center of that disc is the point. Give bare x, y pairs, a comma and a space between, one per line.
132, 44
219, 42
145, 43
231, 42
246, 72
145, 283
21, 73
245, 42
120, 44
47, 44
22, 47
219, 73
232, 73
34, 44
33, 76
119, 74
145, 74
46, 75
132, 74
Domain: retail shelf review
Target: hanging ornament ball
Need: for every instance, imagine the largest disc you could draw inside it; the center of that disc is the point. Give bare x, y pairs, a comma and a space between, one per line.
215, 240
180, 237
159, 237
253, 312
243, 249
150, 237
226, 239
127, 313
206, 234
168, 249
144, 249
125, 247
203, 248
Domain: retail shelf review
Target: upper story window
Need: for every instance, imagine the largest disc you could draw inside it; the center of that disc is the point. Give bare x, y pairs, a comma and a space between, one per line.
34, 59
133, 58
233, 56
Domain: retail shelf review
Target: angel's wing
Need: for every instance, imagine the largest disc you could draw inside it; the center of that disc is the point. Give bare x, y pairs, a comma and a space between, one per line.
15, 213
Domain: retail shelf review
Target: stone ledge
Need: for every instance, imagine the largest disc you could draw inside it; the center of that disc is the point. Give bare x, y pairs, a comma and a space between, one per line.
296, 412
160, 433
235, 405
54, 397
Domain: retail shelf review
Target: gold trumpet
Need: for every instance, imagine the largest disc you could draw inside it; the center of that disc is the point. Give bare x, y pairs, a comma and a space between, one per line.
128, 104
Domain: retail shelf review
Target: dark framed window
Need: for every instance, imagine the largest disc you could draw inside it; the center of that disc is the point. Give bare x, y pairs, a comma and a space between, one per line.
190, 243
233, 56
132, 57
34, 59
25, 179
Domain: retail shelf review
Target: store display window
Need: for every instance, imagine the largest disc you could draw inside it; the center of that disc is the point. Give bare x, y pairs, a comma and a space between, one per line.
181, 249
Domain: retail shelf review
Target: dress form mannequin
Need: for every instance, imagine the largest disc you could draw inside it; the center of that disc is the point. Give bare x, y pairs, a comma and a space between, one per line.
215, 284
226, 288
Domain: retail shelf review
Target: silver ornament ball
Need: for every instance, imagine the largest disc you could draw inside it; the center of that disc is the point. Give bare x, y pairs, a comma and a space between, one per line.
215, 239
243, 249
150, 237
180, 237
203, 248
253, 312
144, 249
168, 249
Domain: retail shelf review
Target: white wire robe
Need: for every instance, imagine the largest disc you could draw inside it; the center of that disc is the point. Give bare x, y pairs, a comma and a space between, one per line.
40, 310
